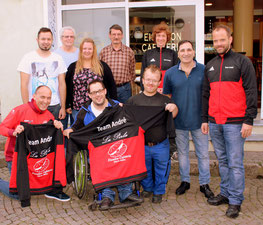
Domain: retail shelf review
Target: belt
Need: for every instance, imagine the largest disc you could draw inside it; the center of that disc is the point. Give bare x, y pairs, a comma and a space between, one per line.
150, 144
122, 84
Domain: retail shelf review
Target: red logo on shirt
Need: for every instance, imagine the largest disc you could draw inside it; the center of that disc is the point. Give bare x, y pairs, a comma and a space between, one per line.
117, 149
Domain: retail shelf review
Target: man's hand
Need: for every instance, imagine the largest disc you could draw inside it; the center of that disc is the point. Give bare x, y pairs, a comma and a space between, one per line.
58, 125
205, 128
62, 113
69, 111
67, 132
171, 107
19, 129
246, 130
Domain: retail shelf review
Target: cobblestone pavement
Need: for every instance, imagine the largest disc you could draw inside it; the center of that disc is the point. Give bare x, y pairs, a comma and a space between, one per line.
190, 208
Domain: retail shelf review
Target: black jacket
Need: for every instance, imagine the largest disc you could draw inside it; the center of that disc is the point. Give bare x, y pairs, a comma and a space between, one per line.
164, 58
229, 90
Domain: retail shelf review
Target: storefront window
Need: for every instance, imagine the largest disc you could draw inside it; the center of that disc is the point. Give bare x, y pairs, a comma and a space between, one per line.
180, 19
92, 23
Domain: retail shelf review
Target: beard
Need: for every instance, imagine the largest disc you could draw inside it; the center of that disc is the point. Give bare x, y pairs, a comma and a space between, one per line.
46, 49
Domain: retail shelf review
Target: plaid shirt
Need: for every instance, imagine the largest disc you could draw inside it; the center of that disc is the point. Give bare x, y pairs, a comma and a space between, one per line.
121, 62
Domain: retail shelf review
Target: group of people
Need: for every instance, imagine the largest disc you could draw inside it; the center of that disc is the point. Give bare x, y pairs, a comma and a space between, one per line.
219, 98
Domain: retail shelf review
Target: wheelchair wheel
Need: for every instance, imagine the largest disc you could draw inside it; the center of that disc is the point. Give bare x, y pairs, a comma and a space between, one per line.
81, 173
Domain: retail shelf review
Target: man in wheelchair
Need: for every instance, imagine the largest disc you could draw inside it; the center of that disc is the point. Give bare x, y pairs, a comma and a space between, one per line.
92, 109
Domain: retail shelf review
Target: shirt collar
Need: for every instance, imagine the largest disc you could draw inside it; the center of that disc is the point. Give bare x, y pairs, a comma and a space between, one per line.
180, 68
121, 49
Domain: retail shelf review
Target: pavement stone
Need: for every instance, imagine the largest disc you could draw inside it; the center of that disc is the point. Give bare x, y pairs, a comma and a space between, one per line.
190, 208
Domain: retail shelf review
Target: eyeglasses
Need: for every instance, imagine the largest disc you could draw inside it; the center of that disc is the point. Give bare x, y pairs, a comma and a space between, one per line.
68, 37
151, 81
100, 91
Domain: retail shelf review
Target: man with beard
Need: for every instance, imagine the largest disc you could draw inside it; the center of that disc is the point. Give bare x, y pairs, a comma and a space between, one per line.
88, 112
43, 67
230, 105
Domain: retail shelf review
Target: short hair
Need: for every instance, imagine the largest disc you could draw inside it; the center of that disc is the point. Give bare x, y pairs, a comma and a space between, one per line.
183, 42
44, 30
222, 26
154, 69
159, 28
62, 30
41, 87
116, 27
93, 82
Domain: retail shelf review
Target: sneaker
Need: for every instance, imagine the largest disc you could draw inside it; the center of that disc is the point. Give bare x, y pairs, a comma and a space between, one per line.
58, 196
106, 203
157, 198
233, 211
146, 194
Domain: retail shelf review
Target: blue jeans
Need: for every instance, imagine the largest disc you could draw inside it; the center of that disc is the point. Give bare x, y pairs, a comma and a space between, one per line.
124, 191
157, 160
229, 149
124, 92
4, 185
201, 150
54, 109
74, 114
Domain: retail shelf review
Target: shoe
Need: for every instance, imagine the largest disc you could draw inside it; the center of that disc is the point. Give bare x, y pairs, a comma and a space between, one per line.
182, 188
134, 198
106, 203
206, 190
233, 211
146, 194
61, 196
157, 198
218, 200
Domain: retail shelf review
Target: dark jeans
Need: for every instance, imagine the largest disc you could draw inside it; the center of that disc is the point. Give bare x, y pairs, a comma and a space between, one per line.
54, 109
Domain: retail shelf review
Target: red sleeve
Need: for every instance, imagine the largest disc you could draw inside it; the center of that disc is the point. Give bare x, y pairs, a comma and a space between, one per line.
9, 124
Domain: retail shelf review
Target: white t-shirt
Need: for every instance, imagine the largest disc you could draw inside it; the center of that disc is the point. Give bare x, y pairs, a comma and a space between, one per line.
94, 110
43, 71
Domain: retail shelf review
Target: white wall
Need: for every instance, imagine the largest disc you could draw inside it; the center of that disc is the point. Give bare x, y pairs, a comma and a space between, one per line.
20, 22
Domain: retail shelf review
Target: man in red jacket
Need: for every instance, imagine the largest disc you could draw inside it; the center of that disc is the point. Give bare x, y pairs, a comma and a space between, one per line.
34, 112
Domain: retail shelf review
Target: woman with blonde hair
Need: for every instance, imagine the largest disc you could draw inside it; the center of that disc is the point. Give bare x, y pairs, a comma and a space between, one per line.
82, 72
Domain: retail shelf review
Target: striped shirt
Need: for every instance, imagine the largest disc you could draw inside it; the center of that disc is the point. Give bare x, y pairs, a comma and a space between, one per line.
121, 62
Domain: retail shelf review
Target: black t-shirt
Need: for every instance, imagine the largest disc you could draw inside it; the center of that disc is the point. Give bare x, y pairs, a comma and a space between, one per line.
159, 132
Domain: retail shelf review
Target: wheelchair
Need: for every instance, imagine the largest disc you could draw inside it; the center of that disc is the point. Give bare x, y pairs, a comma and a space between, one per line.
81, 173
82, 177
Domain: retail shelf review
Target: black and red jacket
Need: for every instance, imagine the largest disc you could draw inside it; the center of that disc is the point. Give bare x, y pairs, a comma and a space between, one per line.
115, 140
39, 163
229, 90
164, 58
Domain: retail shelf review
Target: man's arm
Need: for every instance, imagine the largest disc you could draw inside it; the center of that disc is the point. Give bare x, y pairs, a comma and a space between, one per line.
24, 78
171, 107
62, 94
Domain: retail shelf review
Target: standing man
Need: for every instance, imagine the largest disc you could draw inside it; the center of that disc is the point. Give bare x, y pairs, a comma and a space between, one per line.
33, 112
230, 105
184, 83
70, 54
120, 59
88, 112
43, 67
157, 148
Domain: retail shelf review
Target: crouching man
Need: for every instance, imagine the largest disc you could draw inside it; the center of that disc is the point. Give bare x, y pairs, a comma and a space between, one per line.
33, 112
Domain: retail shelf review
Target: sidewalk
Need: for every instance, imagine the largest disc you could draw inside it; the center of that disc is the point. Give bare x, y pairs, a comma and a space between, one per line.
190, 208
